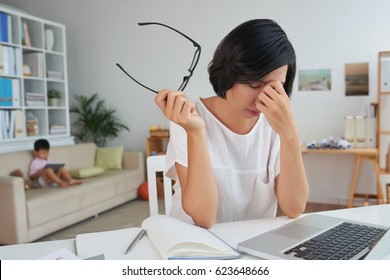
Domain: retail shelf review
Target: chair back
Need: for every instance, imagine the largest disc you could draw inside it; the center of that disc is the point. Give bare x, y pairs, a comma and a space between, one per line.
156, 164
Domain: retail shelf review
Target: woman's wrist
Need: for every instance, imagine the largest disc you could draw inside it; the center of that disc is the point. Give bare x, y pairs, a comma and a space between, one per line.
196, 134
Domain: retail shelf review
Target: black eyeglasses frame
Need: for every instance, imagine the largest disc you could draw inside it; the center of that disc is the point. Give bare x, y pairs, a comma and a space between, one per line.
194, 62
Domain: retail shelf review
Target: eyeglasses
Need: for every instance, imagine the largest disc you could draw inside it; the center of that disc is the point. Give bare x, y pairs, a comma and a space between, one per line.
194, 62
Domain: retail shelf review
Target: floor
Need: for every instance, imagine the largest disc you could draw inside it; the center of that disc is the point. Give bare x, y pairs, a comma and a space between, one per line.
132, 214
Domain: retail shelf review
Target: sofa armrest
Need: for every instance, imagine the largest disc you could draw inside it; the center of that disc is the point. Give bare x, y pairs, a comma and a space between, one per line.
134, 160
13, 218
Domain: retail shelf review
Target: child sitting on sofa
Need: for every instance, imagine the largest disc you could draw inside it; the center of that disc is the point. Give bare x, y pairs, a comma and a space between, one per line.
46, 177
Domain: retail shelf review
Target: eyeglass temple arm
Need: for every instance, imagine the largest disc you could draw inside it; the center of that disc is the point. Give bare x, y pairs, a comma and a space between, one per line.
117, 64
157, 23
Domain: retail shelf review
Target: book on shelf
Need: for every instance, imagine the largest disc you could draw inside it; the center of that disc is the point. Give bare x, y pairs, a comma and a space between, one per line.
2, 126
35, 103
15, 93
18, 62
26, 35
8, 120
169, 237
6, 92
1, 60
5, 28
57, 129
18, 126
2, 27
11, 124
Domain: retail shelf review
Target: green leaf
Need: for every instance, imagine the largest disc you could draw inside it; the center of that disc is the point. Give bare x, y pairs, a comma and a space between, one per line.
95, 122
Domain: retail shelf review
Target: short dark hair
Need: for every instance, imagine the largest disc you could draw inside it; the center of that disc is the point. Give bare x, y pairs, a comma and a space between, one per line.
41, 144
249, 52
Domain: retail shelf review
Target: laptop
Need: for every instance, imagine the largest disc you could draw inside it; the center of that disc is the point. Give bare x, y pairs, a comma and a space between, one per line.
55, 166
316, 236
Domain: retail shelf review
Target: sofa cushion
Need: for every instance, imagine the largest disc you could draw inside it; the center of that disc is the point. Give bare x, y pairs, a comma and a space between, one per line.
74, 156
109, 157
125, 180
15, 160
96, 190
47, 204
88, 172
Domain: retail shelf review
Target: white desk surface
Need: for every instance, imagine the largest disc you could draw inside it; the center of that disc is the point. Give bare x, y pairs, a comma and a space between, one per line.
233, 233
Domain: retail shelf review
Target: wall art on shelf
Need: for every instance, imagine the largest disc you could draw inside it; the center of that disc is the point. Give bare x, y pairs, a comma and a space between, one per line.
314, 80
356, 79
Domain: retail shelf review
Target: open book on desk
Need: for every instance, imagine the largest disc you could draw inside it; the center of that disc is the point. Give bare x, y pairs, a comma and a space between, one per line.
169, 237
175, 239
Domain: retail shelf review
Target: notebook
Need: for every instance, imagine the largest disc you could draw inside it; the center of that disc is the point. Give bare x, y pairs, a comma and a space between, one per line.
55, 166
175, 239
317, 236
166, 238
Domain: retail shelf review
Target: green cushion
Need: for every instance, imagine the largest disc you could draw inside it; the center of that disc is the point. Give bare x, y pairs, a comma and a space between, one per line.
109, 157
83, 173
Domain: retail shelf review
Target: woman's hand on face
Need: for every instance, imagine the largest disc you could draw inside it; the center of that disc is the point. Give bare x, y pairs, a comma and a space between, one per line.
177, 108
274, 103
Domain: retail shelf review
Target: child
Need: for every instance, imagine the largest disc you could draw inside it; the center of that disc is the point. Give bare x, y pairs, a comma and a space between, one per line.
46, 177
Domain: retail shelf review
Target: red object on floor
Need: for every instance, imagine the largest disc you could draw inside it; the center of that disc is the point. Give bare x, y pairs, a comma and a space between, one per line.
143, 191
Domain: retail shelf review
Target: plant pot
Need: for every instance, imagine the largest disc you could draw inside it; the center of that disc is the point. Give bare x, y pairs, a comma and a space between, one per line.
53, 102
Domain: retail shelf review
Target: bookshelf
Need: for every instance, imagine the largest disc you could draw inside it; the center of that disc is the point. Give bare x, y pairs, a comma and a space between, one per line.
384, 110
32, 61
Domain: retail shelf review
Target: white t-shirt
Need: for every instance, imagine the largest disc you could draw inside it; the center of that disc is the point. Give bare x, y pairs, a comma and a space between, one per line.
244, 167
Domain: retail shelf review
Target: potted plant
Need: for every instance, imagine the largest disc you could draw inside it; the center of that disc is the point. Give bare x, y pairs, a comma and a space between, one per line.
95, 123
54, 95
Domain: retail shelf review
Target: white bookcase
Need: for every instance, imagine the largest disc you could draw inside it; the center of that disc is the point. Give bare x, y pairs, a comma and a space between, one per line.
384, 109
32, 61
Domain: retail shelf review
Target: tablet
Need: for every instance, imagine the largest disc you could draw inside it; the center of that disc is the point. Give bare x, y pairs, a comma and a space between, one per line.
55, 166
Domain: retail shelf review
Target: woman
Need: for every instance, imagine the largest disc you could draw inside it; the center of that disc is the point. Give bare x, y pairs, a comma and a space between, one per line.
236, 155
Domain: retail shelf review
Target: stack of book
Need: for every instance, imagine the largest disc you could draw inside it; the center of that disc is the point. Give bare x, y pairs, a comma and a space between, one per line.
35, 99
54, 75
56, 129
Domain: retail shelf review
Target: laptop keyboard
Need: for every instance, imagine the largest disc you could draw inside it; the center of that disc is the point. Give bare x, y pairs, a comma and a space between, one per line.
341, 242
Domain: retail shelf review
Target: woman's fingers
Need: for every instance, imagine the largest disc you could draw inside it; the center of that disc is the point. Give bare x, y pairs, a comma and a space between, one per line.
178, 104
165, 99
272, 94
172, 104
161, 98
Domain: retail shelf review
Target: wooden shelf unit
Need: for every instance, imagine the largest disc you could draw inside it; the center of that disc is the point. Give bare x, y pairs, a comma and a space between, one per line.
156, 145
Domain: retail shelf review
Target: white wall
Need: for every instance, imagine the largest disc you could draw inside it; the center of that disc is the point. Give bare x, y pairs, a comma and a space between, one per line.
326, 34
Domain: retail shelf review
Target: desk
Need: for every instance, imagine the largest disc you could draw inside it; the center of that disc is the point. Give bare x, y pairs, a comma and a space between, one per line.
233, 233
370, 154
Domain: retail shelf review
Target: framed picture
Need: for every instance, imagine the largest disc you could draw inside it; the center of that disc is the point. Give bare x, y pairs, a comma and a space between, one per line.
314, 80
356, 79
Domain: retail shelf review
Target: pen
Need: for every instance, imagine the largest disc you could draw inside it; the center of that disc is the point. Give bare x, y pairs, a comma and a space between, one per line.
135, 241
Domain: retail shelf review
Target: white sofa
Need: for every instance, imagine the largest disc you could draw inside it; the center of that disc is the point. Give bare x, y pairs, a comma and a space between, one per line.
26, 215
